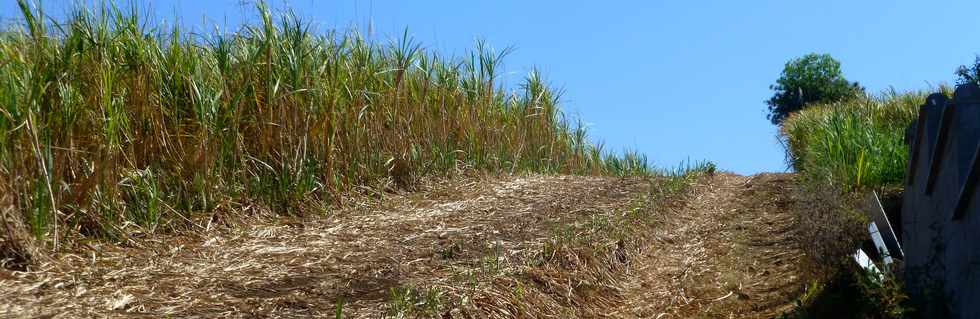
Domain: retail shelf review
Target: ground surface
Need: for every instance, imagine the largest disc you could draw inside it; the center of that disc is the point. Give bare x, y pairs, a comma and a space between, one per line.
730, 254
538, 246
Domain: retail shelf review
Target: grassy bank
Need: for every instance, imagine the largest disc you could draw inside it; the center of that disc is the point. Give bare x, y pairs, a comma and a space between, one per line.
843, 150
111, 124
854, 144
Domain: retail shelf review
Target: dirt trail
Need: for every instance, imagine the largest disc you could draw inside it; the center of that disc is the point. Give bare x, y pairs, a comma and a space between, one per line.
730, 254
725, 252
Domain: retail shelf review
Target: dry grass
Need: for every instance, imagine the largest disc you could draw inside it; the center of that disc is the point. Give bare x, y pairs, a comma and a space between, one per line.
16, 245
479, 244
497, 247
830, 226
731, 253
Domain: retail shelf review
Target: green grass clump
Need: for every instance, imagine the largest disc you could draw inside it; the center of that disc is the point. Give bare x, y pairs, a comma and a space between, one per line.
108, 121
408, 301
853, 144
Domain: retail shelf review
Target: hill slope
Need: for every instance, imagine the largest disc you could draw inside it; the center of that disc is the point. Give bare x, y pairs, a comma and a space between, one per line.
730, 253
537, 246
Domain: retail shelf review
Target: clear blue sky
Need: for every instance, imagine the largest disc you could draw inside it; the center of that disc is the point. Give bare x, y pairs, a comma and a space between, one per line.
678, 80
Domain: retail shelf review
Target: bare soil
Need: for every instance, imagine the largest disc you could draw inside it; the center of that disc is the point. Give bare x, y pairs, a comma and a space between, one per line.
500, 247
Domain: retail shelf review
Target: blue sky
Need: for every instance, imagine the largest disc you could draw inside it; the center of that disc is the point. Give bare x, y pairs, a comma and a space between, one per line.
676, 80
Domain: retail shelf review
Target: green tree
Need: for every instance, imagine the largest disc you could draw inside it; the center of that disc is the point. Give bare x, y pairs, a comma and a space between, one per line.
812, 78
969, 74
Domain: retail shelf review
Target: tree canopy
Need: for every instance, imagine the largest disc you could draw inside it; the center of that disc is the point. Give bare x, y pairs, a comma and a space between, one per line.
812, 78
969, 74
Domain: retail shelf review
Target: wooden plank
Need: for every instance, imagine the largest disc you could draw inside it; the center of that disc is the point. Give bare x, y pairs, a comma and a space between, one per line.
937, 152
966, 192
920, 124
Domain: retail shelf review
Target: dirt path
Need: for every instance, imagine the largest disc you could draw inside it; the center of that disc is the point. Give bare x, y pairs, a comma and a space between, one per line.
728, 255
465, 247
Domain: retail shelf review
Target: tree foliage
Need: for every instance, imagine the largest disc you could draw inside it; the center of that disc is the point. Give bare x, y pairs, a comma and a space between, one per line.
969, 74
812, 78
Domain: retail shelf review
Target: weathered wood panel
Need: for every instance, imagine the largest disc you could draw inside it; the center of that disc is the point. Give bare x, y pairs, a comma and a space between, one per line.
940, 218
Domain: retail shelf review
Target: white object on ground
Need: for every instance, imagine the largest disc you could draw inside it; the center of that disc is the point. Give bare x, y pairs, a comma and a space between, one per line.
886, 256
865, 262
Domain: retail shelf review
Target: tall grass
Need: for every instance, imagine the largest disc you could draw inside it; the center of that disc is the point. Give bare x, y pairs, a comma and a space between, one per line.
854, 144
110, 122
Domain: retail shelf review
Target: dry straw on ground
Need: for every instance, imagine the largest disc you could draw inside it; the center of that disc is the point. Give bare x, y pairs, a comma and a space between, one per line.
470, 240
535, 246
